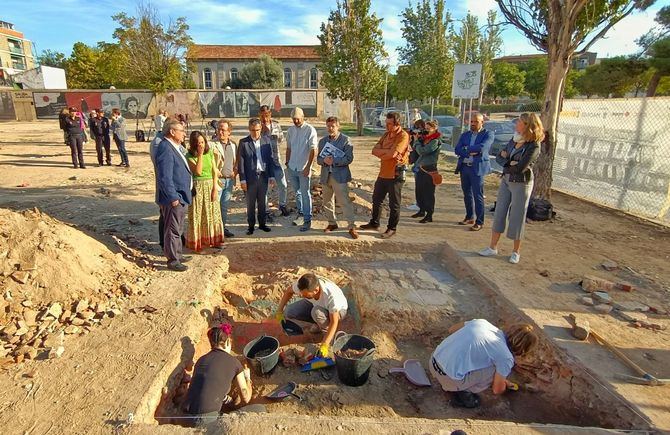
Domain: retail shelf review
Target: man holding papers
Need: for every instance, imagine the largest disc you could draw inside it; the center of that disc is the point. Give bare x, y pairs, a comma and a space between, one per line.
335, 154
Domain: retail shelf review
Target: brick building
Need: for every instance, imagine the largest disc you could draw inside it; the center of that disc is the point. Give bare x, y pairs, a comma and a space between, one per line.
216, 64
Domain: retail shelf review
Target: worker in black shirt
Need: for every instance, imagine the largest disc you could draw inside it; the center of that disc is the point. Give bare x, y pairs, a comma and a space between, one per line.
101, 135
74, 126
209, 392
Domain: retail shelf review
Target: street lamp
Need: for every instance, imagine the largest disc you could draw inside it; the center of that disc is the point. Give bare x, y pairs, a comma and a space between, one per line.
386, 80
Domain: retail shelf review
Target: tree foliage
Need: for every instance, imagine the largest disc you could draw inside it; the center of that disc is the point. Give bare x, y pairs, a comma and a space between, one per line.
51, 58
153, 51
82, 67
613, 77
561, 28
508, 80
265, 73
351, 51
428, 64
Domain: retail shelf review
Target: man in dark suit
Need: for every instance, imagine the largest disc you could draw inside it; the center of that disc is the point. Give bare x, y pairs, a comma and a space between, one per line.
473, 163
256, 170
174, 183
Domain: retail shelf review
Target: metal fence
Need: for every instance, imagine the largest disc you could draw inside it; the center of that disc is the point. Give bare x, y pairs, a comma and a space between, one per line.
616, 152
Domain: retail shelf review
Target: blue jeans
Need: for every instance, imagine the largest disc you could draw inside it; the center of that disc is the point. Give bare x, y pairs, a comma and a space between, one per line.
303, 197
225, 196
281, 186
473, 191
121, 145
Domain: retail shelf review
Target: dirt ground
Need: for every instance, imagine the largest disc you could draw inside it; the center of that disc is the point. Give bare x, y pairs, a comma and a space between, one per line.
100, 228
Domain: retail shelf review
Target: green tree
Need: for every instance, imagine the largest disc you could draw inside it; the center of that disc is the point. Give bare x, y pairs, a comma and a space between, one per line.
614, 77
588, 82
490, 46
154, 52
265, 73
82, 68
508, 80
660, 61
428, 63
52, 58
536, 76
561, 29
351, 51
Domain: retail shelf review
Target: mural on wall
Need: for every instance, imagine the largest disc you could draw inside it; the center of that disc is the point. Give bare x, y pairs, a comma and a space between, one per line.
228, 104
7, 106
274, 100
84, 101
185, 103
133, 105
49, 104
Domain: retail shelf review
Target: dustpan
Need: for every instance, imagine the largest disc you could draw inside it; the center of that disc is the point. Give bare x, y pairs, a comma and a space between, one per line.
414, 372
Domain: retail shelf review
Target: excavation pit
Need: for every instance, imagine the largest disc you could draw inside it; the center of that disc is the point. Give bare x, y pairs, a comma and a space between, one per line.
405, 304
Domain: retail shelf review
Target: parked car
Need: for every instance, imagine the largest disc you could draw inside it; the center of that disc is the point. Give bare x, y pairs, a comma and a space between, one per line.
467, 113
371, 114
503, 132
445, 125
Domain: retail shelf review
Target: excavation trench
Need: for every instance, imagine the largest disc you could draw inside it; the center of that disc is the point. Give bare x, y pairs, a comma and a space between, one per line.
403, 298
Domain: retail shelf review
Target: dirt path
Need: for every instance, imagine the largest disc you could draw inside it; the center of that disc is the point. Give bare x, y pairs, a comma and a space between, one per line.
400, 286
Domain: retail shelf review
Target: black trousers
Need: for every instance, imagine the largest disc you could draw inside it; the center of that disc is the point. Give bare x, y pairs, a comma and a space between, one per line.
101, 143
425, 191
256, 191
392, 188
76, 142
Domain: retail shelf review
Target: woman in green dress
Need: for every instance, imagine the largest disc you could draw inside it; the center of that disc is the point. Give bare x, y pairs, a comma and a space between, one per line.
205, 227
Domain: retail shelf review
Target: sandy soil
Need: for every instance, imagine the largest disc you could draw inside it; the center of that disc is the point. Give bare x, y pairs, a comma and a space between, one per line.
405, 295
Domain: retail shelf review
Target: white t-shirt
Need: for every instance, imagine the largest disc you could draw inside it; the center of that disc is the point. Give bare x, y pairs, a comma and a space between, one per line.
331, 298
477, 345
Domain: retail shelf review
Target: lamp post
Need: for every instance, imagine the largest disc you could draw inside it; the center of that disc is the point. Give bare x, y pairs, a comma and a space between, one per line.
386, 80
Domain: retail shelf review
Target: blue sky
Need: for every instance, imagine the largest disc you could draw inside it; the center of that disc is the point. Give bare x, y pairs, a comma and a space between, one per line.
58, 24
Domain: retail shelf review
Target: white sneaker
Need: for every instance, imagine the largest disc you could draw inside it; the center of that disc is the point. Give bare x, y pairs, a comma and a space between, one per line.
299, 221
413, 207
514, 258
488, 252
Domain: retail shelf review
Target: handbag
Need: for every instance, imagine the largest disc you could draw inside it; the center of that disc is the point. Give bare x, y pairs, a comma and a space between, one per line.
435, 175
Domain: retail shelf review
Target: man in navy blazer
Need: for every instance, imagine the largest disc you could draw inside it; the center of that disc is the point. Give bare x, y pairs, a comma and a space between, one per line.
473, 164
256, 170
174, 183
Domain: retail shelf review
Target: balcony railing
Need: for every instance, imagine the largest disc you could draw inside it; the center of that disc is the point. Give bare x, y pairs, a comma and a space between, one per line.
16, 50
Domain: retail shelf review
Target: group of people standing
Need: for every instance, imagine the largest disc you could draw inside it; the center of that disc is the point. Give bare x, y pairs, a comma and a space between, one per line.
74, 125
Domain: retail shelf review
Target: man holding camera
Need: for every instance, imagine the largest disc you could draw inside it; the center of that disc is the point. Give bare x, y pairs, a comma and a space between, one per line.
473, 164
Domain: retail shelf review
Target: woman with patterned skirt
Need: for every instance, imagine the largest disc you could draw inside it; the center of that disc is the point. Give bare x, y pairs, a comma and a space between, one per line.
205, 228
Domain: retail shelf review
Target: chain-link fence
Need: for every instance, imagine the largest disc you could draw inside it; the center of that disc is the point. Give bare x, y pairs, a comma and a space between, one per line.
616, 152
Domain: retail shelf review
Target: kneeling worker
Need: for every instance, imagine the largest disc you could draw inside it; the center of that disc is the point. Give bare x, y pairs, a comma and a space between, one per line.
209, 392
476, 356
324, 304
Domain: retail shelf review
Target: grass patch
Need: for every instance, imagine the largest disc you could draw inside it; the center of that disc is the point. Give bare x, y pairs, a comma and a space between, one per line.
350, 130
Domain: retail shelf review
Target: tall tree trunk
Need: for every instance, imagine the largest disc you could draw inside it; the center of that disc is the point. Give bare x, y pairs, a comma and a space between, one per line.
359, 115
559, 64
653, 84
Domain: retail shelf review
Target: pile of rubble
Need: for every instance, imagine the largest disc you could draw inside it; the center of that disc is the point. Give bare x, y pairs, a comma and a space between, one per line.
56, 281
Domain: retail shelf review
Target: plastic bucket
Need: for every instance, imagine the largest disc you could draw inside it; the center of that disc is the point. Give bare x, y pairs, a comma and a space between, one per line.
268, 348
353, 371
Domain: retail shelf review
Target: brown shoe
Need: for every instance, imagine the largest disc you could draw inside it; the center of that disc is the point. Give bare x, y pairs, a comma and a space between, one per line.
388, 234
353, 233
330, 228
466, 222
476, 227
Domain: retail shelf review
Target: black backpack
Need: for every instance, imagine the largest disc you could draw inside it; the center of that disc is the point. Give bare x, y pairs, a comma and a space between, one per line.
540, 210
139, 136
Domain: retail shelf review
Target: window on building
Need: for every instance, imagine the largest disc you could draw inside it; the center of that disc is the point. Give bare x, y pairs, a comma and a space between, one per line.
288, 75
233, 74
18, 62
313, 78
15, 46
207, 78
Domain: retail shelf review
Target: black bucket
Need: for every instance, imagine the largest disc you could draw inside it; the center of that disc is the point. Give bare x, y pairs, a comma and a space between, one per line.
267, 346
353, 372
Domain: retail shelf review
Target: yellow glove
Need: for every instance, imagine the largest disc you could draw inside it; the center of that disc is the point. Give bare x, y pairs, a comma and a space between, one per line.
323, 350
279, 315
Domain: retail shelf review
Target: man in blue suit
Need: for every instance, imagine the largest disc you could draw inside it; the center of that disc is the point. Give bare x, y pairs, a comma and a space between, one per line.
174, 183
256, 170
473, 164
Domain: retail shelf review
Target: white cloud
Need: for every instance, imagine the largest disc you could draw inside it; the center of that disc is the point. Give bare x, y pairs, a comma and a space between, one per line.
620, 39
295, 36
479, 8
210, 12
